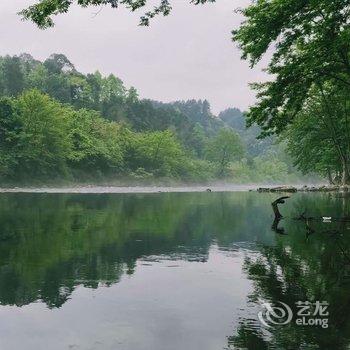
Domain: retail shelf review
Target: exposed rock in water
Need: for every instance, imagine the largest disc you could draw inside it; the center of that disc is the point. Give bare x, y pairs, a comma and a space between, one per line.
288, 189
320, 188
292, 189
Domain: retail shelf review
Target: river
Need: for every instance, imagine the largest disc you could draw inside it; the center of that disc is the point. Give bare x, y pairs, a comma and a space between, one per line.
170, 271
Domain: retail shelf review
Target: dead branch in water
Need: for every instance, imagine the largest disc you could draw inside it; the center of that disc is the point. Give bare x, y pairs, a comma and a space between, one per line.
275, 203
303, 217
278, 216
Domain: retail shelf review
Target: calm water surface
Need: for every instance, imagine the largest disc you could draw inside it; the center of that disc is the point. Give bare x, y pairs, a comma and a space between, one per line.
168, 271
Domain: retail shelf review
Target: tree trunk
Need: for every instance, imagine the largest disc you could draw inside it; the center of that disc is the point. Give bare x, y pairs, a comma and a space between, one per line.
345, 174
330, 178
223, 163
281, 200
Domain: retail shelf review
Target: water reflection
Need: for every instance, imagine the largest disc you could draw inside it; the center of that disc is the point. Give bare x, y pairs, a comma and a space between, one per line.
51, 244
302, 267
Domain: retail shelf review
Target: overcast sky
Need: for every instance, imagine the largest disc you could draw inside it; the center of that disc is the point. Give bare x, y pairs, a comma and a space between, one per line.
186, 55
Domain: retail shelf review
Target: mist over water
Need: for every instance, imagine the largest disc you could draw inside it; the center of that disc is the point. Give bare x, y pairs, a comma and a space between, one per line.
132, 189
200, 187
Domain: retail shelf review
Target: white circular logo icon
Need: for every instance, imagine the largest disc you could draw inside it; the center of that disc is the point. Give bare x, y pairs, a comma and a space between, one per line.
275, 315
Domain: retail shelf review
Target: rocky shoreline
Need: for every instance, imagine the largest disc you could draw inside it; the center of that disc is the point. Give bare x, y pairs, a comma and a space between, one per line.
292, 189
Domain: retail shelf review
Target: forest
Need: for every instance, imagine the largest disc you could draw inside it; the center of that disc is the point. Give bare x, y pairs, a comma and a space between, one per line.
303, 105
58, 124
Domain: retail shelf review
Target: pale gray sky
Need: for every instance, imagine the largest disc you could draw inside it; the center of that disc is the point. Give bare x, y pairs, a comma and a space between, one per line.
188, 54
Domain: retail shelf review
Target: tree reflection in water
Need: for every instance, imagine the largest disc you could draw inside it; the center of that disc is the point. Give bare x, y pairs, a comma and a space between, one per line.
300, 267
50, 244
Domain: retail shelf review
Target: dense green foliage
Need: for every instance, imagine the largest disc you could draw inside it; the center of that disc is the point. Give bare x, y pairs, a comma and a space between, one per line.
311, 41
59, 124
43, 139
223, 149
309, 61
319, 138
41, 12
310, 68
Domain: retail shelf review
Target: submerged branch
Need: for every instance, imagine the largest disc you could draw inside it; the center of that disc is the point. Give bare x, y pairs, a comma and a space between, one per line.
275, 203
302, 216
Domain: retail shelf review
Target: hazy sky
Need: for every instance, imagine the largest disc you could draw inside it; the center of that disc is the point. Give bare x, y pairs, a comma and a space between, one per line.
188, 54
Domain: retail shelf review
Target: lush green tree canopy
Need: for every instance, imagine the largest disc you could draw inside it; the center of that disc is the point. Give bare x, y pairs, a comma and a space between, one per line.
311, 46
310, 40
224, 148
319, 138
308, 46
41, 12
36, 141
58, 78
57, 123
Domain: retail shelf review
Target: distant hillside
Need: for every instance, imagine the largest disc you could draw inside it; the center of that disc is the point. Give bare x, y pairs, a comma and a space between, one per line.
58, 77
56, 121
236, 120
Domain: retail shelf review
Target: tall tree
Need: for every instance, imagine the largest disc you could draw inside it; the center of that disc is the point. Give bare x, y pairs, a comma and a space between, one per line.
319, 138
161, 153
10, 130
223, 149
13, 77
96, 144
311, 46
58, 63
44, 140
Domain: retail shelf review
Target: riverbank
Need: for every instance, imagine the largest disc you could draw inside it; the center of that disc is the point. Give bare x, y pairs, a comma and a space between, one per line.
163, 189
305, 188
130, 189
